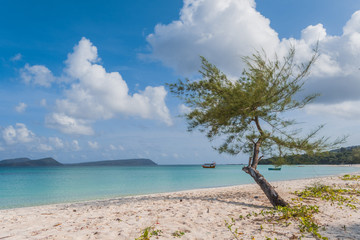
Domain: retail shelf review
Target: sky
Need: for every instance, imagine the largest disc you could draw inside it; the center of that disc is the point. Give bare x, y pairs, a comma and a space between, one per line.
85, 80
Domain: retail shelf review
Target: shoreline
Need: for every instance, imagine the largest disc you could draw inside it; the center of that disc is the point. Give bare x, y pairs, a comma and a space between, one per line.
197, 213
181, 191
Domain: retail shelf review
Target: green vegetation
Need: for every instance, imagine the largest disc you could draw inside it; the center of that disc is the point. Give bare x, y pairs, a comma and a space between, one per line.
247, 114
300, 213
348, 177
149, 232
341, 196
303, 214
178, 234
349, 155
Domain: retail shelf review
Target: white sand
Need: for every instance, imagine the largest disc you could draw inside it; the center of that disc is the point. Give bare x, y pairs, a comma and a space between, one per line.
199, 214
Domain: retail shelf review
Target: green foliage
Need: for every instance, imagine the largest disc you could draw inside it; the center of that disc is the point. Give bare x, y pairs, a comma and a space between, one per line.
235, 231
340, 156
246, 112
328, 193
148, 232
178, 233
303, 214
279, 161
348, 177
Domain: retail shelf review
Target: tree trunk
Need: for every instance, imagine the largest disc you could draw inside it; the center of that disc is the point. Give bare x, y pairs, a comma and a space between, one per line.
269, 190
255, 158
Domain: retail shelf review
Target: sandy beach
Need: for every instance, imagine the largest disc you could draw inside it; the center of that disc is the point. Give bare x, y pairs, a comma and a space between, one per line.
194, 214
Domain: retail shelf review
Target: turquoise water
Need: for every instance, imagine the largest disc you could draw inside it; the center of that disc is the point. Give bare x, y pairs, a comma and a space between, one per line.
20, 187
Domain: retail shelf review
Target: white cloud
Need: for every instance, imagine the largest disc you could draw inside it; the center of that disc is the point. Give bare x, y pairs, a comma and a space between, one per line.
20, 137
43, 102
93, 145
223, 31
119, 147
44, 147
95, 94
21, 107
17, 134
348, 109
17, 57
75, 145
37, 75
184, 109
56, 142
69, 125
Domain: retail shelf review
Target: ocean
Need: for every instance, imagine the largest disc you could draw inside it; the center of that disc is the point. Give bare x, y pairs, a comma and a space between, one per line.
23, 187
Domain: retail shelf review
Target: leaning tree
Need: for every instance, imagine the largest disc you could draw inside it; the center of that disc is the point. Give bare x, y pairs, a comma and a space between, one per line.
246, 114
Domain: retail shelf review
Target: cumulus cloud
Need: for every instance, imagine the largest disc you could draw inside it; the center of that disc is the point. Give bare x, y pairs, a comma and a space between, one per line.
119, 147
93, 145
69, 125
75, 145
17, 57
17, 134
224, 31
184, 109
43, 102
44, 147
37, 75
56, 142
347, 110
95, 94
21, 107
20, 136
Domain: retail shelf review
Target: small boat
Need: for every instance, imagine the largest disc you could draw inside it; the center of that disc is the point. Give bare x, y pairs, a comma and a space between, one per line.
274, 168
209, 165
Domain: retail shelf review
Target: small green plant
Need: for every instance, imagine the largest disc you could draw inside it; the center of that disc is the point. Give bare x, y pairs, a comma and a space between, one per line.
235, 231
348, 177
178, 233
329, 193
303, 214
149, 232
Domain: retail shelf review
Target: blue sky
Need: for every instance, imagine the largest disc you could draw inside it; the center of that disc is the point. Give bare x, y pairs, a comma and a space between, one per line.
84, 80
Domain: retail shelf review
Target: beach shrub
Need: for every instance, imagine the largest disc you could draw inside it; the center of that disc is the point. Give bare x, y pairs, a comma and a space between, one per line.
303, 214
348, 177
178, 233
235, 231
149, 232
332, 194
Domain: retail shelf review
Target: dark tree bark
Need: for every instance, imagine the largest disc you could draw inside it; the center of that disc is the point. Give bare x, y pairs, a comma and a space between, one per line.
269, 190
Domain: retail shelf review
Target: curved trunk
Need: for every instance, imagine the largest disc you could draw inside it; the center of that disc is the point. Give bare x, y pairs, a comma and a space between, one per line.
269, 190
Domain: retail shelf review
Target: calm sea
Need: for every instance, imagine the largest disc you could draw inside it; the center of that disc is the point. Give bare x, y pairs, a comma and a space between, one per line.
21, 187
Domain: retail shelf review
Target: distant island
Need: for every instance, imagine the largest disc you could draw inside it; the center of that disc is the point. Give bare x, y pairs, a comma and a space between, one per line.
50, 162
345, 155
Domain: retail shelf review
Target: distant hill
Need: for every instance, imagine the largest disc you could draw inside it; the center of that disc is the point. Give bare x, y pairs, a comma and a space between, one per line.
346, 155
49, 162
125, 162
26, 162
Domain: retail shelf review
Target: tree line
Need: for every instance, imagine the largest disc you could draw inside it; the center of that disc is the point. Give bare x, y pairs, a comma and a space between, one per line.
349, 155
